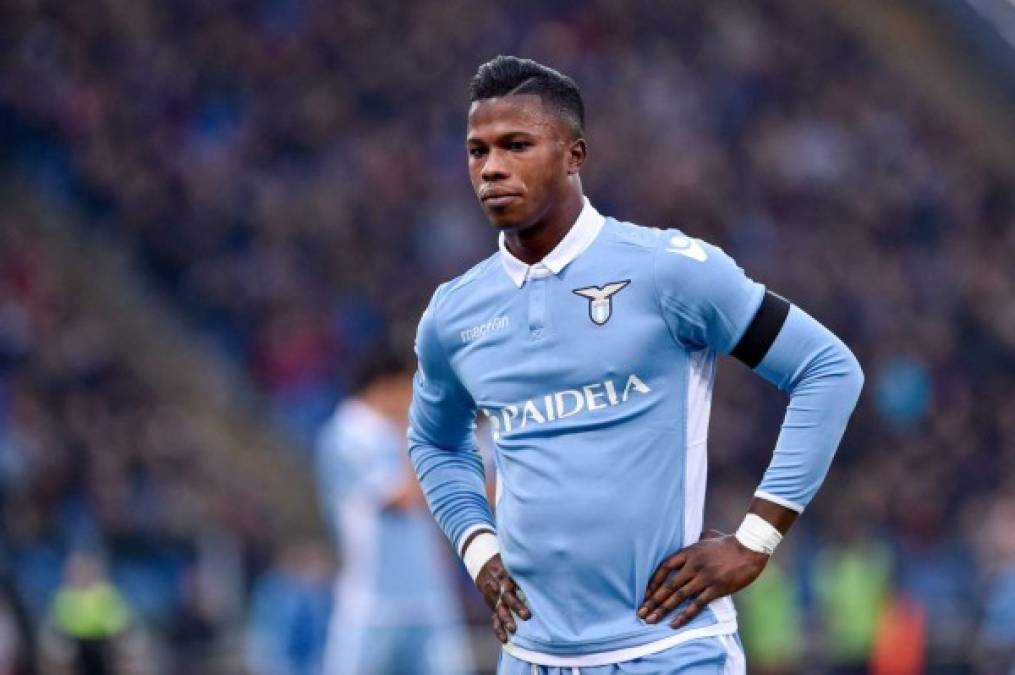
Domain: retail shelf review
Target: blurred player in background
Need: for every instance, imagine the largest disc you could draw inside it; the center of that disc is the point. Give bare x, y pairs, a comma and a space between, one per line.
590, 345
396, 610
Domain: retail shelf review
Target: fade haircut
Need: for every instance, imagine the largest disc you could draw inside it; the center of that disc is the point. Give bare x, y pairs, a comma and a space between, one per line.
510, 75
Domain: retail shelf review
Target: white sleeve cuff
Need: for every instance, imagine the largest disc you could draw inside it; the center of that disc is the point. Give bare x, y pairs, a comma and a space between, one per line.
483, 547
769, 497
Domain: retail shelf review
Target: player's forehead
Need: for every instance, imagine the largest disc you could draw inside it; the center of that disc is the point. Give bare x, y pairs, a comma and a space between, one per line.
494, 118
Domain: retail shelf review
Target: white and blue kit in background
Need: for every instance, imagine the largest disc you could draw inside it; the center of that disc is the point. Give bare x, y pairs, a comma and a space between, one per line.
595, 368
396, 608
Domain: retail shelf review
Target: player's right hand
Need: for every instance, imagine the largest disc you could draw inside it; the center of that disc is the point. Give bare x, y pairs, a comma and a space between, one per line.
502, 596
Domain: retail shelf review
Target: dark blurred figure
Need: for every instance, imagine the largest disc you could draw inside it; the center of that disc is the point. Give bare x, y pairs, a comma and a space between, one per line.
16, 644
289, 613
194, 632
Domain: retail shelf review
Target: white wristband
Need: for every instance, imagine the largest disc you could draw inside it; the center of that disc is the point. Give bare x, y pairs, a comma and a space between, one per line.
483, 547
758, 534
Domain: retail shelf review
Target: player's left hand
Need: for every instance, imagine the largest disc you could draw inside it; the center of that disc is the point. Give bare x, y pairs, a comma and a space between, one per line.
716, 566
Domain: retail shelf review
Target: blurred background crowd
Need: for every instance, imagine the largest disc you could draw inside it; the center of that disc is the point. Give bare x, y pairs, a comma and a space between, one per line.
286, 178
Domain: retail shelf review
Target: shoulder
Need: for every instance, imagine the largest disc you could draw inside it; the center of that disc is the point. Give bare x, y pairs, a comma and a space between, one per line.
660, 240
452, 302
465, 288
468, 282
671, 253
632, 235
666, 239
462, 295
353, 421
689, 274
679, 253
329, 436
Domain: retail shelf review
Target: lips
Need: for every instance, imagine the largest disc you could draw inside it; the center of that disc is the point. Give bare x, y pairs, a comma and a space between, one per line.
498, 198
499, 201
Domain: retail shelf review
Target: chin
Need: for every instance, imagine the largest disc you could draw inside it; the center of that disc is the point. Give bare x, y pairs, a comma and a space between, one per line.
507, 219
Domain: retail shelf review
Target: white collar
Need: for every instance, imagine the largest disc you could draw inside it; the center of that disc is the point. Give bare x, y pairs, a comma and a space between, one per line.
582, 233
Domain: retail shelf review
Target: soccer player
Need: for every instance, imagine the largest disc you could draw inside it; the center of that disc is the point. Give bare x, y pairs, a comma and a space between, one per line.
590, 344
396, 610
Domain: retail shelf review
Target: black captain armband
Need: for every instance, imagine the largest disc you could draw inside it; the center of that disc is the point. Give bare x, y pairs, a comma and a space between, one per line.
764, 328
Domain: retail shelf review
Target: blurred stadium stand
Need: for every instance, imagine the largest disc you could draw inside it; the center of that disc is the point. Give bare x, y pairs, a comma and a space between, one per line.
988, 26
211, 209
119, 439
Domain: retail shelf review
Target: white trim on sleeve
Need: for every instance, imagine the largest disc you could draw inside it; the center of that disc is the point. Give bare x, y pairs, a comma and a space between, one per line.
768, 496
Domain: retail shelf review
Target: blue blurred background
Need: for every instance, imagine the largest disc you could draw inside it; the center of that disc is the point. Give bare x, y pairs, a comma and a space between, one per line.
212, 210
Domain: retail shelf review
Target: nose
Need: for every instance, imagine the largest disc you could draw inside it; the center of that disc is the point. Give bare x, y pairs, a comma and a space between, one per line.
495, 166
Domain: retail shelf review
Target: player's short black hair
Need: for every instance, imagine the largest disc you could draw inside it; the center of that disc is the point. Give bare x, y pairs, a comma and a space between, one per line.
507, 75
380, 362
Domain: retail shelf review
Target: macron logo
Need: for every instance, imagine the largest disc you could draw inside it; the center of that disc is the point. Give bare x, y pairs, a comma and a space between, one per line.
564, 403
484, 329
687, 247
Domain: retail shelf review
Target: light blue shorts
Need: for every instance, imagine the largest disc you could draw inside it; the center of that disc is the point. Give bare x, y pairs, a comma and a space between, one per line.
722, 655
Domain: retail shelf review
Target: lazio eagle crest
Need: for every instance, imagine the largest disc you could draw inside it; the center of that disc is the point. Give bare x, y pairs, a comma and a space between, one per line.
601, 299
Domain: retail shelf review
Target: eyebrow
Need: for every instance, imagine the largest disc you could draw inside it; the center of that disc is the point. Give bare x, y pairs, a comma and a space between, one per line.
503, 136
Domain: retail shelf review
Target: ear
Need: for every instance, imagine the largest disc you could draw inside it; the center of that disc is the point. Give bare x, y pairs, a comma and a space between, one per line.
577, 151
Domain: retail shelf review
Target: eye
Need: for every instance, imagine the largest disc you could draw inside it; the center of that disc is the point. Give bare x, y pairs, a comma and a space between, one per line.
518, 146
476, 151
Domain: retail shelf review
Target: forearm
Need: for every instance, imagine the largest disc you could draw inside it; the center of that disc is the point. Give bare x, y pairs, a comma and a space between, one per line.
442, 447
453, 483
823, 379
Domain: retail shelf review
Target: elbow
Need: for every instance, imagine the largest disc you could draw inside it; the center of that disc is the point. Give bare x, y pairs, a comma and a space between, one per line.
840, 370
853, 375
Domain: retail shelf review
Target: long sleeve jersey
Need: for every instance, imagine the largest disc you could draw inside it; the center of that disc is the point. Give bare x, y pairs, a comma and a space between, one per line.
595, 368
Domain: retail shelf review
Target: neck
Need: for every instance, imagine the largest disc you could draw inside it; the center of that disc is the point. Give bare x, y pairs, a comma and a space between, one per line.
533, 243
375, 399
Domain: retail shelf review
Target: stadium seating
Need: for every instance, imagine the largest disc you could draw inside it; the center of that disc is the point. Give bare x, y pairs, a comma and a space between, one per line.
294, 186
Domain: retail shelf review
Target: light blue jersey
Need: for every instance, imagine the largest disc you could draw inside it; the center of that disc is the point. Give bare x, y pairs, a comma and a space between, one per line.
595, 368
394, 596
